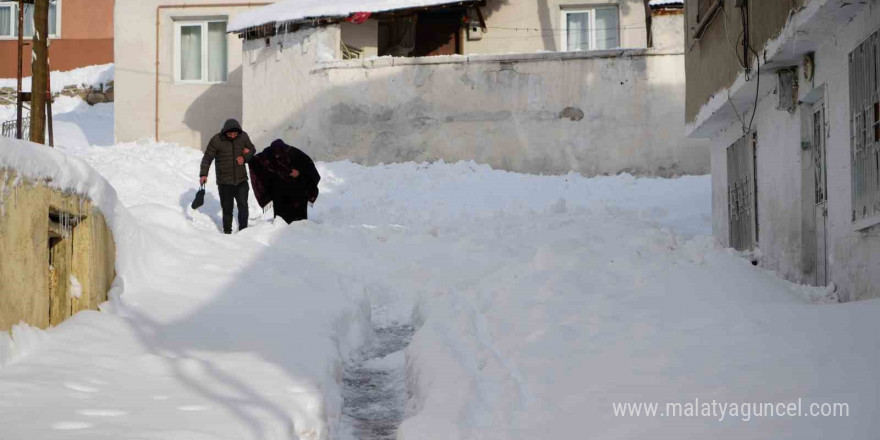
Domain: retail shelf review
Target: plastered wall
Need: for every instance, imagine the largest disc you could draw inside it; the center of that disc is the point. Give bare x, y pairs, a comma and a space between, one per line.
189, 114
787, 226
592, 113
39, 259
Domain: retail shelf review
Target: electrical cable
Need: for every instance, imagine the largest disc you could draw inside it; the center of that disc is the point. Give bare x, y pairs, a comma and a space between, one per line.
747, 43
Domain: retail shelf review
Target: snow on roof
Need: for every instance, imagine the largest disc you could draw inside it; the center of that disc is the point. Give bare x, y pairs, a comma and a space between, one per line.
666, 2
292, 10
50, 166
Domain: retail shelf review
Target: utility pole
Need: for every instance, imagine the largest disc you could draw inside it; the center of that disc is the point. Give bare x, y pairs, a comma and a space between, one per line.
40, 71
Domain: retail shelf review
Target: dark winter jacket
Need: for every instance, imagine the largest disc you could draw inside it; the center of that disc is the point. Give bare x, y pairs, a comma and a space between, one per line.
272, 182
225, 151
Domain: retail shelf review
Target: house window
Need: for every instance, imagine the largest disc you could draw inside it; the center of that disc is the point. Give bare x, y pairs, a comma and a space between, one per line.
9, 19
864, 68
201, 53
591, 29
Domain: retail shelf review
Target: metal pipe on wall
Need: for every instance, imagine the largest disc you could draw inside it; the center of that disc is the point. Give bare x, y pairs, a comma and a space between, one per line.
19, 106
159, 33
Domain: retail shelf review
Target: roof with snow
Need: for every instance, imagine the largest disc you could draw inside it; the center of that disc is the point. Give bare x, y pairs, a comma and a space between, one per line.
666, 3
298, 10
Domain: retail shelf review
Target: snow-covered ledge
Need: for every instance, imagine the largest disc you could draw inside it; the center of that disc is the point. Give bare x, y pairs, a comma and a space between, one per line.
804, 33
483, 58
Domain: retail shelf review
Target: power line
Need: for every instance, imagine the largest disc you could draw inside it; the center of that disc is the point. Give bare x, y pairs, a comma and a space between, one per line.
563, 29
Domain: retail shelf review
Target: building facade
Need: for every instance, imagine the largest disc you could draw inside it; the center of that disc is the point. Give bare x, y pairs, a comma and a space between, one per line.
791, 114
178, 72
572, 59
80, 32
404, 86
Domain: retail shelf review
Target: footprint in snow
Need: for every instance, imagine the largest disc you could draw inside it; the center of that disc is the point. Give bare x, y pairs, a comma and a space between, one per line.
80, 387
193, 408
102, 413
70, 426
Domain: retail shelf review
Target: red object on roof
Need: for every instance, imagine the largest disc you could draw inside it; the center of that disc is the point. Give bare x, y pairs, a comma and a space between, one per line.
358, 17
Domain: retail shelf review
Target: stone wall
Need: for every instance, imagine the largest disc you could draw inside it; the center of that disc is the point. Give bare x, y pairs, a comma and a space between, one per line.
58, 254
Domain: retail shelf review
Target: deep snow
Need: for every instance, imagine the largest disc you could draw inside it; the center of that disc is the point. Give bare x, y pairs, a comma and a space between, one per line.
90, 76
537, 301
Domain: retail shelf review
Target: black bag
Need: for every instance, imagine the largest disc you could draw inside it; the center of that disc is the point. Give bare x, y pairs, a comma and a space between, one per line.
200, 198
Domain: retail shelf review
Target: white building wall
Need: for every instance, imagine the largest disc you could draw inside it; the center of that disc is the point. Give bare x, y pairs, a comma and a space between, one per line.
785, 185
188, 113
667, 30
536, 25
593, 113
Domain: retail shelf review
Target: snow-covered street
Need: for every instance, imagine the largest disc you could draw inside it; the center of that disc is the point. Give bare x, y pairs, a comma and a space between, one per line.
538, 303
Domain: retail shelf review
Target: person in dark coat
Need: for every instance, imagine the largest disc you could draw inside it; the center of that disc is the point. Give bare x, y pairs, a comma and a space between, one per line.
231, 149
286, 177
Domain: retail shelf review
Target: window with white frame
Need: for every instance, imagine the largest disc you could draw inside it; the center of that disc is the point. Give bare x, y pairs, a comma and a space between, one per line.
596, 28
200, 51
9, 19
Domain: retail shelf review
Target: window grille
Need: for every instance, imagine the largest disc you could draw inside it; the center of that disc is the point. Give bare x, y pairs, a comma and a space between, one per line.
741, 198
864, 67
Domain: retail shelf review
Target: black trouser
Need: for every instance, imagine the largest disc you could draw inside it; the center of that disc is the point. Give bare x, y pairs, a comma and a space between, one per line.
238, 194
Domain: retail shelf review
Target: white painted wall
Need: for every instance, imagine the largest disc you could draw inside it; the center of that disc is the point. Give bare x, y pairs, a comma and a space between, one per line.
535, 25
506, 111
668, 31
188, 113
785, 191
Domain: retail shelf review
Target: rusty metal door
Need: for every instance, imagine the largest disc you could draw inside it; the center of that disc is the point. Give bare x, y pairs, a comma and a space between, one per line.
820, 171
741, 194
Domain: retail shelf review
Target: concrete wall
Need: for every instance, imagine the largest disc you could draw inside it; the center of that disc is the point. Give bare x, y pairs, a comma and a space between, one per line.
711, 63
668, 29
189, 114
86, 39
787, 227
34, 275
593, 113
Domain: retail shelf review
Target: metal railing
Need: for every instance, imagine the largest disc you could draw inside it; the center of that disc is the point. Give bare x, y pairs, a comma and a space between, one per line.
9, 128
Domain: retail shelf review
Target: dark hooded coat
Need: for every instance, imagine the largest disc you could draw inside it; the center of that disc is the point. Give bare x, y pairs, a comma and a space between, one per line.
272, 182
224, 151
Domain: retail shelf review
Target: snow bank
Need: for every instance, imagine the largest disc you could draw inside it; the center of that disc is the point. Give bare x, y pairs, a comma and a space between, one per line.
292, 10
539, 301
244, 323
89, 76
38, 163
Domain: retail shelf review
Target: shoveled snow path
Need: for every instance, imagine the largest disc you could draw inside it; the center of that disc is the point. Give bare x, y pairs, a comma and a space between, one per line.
374, 384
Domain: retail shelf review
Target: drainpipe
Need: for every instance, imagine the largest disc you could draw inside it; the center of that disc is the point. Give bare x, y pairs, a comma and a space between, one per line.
158, 34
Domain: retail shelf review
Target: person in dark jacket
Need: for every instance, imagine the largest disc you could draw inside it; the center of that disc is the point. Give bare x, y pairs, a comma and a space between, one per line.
286, 177
231, 149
